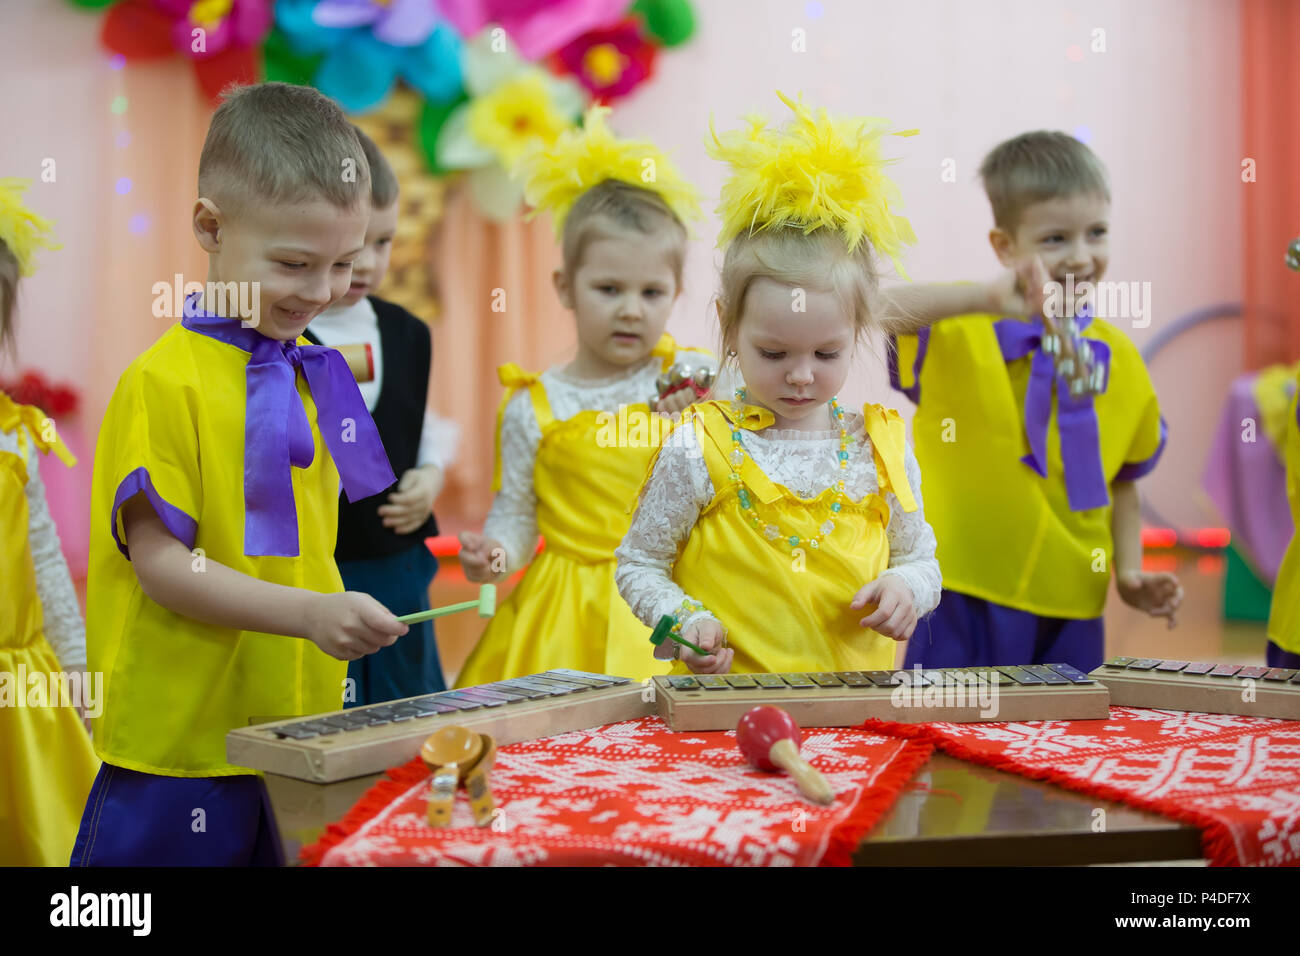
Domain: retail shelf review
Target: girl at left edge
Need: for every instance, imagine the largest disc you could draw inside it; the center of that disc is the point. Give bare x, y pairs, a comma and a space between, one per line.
46, 761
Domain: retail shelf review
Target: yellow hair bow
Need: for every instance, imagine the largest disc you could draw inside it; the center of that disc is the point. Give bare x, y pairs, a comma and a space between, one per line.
21, 229
556, 175
814, 172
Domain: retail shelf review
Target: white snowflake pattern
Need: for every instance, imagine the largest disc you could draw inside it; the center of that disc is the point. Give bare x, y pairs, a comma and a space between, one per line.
710, 825
1180, 723
1032, 738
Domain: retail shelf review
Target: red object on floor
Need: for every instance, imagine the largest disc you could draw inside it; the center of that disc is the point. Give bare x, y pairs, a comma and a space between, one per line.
634, 793
1236, 778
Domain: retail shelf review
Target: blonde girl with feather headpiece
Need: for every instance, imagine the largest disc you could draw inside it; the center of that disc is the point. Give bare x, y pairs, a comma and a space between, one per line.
781, 531
573, 442
46, 761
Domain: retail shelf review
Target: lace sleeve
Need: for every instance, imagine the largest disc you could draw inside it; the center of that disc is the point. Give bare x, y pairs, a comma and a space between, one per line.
912, 545
513, 518
64, 628
678, 488
439, 441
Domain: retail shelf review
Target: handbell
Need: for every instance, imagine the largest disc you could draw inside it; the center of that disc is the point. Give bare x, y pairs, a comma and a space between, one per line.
704, 376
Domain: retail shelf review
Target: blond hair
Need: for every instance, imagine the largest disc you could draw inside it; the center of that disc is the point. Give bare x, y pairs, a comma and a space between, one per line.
613, 205
786, 254
8, 294
279, 143
1037, 166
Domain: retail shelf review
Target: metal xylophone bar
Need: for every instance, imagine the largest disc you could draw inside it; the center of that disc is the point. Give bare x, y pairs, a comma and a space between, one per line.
549, 685
1279, 675
1028, 675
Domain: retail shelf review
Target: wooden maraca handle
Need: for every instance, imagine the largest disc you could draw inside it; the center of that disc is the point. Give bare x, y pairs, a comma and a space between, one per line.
811, 783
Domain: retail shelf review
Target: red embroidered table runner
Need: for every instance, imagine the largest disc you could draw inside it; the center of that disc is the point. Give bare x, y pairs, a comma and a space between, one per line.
634, 793
1237, 778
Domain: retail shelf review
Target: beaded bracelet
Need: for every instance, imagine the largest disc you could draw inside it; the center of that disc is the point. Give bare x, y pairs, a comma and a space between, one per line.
688, 607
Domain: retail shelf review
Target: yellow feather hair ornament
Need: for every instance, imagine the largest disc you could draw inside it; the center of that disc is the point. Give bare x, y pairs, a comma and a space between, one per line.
20, 229
580, 158
815, 172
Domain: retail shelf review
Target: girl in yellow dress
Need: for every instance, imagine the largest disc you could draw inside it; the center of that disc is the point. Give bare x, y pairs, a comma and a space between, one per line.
46, 761
782, 532
573, 442
1284, 616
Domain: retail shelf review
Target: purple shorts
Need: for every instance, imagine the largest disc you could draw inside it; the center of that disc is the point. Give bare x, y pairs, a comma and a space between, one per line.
144, 819
965, 631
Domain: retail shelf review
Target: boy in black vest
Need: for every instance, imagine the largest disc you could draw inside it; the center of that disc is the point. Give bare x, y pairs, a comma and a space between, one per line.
381, 548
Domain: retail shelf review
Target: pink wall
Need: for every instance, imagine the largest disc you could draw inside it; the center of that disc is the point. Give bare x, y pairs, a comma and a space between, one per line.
1160, 107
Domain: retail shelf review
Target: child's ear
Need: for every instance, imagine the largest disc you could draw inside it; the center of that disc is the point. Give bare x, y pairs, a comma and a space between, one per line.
207, 225
560, 279
1003, 246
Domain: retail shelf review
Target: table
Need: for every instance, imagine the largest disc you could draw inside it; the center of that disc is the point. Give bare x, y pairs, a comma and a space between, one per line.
962, 814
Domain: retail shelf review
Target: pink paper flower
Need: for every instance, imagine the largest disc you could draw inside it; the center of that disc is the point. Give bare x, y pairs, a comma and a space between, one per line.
537, 27
610, 62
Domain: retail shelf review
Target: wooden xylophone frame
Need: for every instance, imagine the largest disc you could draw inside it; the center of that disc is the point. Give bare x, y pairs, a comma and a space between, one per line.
339, 752
1221, 689
847, 698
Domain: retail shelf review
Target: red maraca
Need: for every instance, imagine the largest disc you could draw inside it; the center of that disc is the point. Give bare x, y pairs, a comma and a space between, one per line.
769, 739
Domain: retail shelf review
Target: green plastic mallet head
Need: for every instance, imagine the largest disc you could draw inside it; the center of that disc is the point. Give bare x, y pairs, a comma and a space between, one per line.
664, 631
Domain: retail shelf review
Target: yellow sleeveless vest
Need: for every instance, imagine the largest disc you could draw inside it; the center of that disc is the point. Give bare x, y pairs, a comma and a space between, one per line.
788, 610
46, 761
566, 611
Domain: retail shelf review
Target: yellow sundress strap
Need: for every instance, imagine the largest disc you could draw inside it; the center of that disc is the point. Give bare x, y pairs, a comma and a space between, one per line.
718, 422
514, 378
667, 348
888, 434
35, 423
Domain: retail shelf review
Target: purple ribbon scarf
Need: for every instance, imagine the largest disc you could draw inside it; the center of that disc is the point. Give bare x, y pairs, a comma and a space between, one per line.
277, 435
1076, 418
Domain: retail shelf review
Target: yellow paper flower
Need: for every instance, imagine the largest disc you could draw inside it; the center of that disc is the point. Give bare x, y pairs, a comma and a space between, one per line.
556, 175
20, 229
516, 114
815, 172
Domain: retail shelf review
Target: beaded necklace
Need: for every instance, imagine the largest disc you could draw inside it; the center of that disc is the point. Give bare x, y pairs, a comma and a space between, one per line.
737, 458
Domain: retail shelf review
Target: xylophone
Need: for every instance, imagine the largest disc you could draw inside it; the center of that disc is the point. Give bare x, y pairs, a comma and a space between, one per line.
846, 698
352, 743
1202, 686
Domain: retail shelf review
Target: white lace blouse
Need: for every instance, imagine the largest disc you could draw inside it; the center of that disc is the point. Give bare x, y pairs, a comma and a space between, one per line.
805, 462
64, 627
513, 518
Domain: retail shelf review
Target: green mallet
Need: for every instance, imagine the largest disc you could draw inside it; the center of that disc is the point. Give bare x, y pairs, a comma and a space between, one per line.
486, 604
664, 631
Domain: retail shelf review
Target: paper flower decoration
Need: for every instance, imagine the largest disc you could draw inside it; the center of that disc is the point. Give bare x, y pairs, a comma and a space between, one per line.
671, 22
512, 106
556, 175
220, 36
33, 388
536, 27
366, 45
814, 172
610, 62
